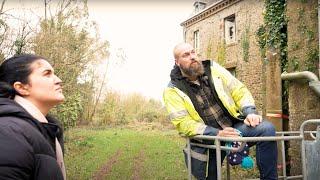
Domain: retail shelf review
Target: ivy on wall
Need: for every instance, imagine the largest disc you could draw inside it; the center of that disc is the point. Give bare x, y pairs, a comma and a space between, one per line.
245, 43
221, 53
307, 36
273, 34
209, 50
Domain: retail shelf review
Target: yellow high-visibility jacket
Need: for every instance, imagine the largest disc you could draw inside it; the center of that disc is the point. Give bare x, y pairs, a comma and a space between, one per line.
234, 96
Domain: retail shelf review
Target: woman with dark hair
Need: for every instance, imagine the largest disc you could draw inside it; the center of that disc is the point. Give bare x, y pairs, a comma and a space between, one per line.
31, 142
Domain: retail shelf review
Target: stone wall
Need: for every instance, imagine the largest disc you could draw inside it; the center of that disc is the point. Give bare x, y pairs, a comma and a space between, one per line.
248, 15
302, 55
302, 40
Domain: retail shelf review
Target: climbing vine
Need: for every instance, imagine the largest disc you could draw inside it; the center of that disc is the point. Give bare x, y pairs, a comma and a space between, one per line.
312, 57
273, 34
245, 43
209, 50
221, 53
308, 35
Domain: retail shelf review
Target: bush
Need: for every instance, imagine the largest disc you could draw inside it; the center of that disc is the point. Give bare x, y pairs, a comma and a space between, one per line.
117, 109
68, 112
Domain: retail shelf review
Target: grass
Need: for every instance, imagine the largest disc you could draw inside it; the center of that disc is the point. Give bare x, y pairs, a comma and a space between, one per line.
130, 154
144, 154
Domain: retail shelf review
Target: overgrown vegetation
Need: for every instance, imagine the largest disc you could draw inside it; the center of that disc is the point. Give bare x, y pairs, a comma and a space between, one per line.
119, 109
209, 50
245, 42
307, 39
71, 43
272, 35
66, 40
221, 53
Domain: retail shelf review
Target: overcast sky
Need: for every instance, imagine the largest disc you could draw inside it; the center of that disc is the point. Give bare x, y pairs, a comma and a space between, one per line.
146, 31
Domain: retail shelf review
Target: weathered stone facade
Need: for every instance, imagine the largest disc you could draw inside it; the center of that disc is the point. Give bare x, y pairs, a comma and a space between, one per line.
302, 39
263, 77
248, 15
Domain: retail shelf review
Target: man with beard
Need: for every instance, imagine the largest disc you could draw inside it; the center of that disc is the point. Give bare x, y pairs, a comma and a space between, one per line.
203, 98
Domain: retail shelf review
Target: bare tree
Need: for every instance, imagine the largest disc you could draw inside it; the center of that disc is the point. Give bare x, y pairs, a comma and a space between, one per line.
2, 5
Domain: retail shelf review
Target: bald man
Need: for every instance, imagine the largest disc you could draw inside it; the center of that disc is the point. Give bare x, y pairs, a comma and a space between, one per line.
203, 98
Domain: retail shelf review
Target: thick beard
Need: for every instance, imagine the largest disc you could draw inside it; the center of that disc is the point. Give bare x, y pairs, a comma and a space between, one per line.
193, 72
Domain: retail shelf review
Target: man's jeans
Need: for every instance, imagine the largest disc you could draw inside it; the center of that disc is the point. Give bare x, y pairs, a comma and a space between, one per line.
266, 151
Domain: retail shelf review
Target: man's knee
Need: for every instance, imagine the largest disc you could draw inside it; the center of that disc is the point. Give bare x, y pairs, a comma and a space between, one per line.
266, 128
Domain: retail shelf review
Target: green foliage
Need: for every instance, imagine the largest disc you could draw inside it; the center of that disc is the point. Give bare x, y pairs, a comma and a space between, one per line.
262, 39
275, 22
19, 44
68, 112
87, 95
71, 43
307, 37
221, 53
310, 35
245, 43
209, 50
294, 63
312, 59
273, 34
295, 46
119, 109
301, 13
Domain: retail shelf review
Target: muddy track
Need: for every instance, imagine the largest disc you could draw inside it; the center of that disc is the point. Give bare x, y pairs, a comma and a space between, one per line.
138, 165
106, 168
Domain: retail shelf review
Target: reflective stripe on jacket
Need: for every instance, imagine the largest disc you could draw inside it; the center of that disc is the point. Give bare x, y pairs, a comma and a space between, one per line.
235, 97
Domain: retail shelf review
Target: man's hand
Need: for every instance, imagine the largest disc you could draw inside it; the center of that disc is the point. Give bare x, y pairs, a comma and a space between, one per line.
228, 132
253, 120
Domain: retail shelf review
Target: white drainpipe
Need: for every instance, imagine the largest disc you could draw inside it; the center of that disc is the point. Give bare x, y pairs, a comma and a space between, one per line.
314, 82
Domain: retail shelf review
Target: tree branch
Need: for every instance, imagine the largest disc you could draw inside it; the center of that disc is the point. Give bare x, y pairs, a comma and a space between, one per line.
2, 5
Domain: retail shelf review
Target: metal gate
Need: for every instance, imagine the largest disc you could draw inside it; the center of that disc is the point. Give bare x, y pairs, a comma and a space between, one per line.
310, 155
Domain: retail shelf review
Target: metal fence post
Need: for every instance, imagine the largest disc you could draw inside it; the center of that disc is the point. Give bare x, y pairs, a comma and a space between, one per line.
284, 165
218, 156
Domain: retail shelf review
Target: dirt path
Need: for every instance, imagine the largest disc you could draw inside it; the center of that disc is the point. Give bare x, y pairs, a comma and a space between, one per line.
138, 165
106, 168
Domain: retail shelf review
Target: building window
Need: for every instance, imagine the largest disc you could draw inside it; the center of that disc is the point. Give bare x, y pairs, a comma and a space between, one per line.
230, 29
196, 41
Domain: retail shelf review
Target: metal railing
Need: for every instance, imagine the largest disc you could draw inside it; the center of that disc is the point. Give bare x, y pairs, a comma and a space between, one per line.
281, 136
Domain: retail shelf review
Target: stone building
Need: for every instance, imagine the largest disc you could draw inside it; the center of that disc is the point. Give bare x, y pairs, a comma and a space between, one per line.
225, 31
216, 31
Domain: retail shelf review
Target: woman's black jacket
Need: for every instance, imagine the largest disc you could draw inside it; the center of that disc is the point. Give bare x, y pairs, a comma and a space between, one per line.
27, 146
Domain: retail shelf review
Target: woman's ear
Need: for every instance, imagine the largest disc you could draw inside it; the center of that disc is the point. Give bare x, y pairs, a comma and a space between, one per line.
22, 89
